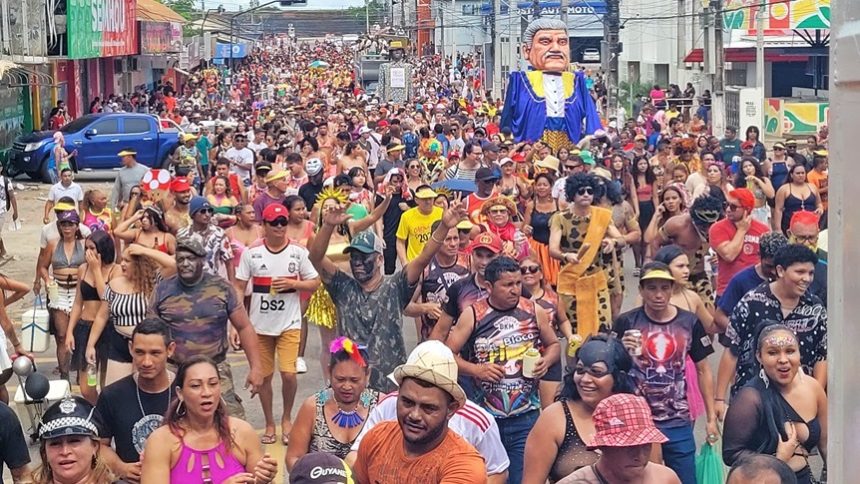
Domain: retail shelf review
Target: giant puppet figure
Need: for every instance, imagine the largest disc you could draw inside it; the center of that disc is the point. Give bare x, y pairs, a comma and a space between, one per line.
549, 103
395, 77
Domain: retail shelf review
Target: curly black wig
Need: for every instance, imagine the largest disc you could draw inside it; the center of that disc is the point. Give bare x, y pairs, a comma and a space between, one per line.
580, 180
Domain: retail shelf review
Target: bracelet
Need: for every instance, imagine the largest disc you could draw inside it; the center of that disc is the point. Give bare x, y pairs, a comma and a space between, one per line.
719, 400
433, 238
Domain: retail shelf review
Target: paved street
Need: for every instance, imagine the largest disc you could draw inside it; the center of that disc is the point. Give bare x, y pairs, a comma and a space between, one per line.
22, 244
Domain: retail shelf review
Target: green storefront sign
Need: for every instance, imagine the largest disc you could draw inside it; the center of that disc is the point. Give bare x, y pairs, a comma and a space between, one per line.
101, 28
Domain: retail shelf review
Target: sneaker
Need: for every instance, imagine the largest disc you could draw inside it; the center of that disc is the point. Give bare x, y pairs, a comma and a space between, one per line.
301, 366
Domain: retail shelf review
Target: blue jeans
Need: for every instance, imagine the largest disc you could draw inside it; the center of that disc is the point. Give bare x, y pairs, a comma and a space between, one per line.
514, 431
679, 453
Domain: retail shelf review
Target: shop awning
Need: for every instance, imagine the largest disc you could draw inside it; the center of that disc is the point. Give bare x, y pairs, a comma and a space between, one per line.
747, 54
152, 11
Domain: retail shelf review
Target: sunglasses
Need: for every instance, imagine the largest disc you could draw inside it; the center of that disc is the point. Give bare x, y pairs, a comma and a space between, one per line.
731, 206
498, 211
585, 191
279, 222
571, 167
529, 270
206, 211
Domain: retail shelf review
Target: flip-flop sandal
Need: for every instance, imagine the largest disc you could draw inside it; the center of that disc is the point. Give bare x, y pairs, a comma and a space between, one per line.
285, 439
267, 439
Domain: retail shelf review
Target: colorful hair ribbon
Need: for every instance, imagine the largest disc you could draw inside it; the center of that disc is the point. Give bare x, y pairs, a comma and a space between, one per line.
348, 346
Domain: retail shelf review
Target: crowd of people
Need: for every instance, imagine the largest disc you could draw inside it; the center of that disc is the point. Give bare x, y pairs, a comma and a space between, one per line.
296, 201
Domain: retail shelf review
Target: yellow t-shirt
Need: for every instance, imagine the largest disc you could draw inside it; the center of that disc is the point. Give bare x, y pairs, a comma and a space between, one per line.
414, 228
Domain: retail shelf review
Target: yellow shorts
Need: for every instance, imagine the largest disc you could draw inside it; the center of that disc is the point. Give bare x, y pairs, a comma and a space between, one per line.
287, 346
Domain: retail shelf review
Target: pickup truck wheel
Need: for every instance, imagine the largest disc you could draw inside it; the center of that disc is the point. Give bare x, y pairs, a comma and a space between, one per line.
43, 174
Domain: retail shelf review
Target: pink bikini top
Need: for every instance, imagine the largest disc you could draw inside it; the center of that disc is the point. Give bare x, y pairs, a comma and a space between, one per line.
211, 466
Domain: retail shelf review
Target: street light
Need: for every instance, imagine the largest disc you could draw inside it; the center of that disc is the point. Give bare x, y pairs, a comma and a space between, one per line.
207, 45
283, 3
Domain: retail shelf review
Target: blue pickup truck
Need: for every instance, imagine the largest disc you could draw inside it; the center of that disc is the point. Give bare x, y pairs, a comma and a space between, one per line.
97, 138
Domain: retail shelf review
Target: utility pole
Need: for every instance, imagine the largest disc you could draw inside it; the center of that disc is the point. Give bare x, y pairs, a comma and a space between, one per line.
681, 39
535, 9
611, 29
454, 16
497, 51
707, 50
718, 98
759, 57
563, 8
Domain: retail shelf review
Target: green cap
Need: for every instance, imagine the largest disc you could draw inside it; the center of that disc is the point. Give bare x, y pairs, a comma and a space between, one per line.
587, 159
365, 242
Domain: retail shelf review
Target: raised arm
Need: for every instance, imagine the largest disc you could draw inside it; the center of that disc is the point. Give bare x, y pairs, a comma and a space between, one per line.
124, 230
356, 226
319, 244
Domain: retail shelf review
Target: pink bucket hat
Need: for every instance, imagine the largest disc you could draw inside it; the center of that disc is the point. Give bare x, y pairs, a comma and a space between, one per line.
624, 420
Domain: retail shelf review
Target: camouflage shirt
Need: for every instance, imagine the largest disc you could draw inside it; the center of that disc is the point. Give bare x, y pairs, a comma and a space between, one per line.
197, 315
374, 319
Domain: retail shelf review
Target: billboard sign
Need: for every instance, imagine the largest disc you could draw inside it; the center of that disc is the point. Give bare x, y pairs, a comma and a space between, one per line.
223, 51
160, 37
781, 15
551, 7
101, 28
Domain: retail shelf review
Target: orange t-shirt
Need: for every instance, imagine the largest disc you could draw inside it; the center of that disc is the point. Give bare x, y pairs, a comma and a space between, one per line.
819, 181
382, 459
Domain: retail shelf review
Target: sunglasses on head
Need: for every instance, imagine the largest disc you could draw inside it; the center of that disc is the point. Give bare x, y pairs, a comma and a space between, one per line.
529, 269
585, 191
279, 222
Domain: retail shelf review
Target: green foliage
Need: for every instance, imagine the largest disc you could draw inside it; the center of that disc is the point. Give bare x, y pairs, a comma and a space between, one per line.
375, 9
639, 89
182, 7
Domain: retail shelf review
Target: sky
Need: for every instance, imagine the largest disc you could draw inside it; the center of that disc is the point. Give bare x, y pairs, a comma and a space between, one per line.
312, 4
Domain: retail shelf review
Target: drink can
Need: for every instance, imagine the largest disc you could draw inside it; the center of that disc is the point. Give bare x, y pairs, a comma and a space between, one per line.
638, 335
530, 358
573, 345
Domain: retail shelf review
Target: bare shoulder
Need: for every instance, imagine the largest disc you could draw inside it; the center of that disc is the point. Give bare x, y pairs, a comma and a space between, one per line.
241, 428
676, 223
660, 474
162, 438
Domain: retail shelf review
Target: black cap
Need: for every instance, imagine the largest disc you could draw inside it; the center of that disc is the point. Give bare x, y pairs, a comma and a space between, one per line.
69, 416
486, 174
320, 468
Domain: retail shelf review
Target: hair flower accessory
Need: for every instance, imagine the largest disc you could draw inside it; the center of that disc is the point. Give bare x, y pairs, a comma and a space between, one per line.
350, 347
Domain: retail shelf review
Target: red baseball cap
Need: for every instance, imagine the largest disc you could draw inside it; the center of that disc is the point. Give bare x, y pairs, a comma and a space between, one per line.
273, 211
624, 420
745, 197
180, 184
382, 124
747, 144
487, 240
